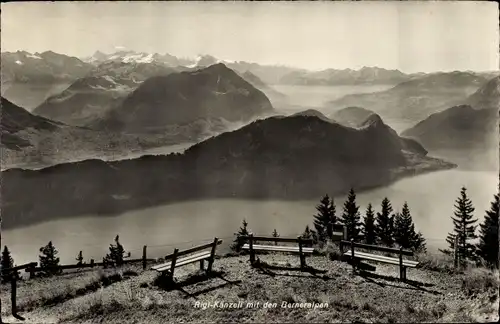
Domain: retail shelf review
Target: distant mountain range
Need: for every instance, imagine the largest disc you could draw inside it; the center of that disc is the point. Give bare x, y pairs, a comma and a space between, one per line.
465, 132
104, 87
28, 79
293, 157
32, 141
15, 120
414, 100
365, 75
180, 98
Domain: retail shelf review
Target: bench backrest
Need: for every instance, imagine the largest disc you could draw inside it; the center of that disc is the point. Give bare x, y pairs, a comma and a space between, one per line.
276, 239
195, 249
339, 232
376, 248
19, 267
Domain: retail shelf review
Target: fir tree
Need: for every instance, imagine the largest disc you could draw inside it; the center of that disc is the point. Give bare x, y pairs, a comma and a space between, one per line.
79, 258
464, 229
404, 231
239, 241
116, 253
351, 217
419, 244
384, 225
6, 263
324, 220
276, 235
488, 235
48, 259
369, 235
307, 235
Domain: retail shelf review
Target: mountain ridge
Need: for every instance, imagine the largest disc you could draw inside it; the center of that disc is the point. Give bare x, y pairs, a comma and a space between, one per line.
215, 91
280, 157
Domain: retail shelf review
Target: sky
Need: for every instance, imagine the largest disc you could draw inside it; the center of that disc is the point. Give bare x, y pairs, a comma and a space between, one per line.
409, 36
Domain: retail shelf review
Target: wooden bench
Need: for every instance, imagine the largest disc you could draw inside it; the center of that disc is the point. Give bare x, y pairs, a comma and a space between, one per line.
356, 256
300, 249
181, 258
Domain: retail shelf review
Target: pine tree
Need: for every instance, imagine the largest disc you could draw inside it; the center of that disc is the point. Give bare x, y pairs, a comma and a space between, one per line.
48, 259
324, 220
79, 258
307, 235
384, 225
403, 228
419, 244
351, 217
488, 235
464, 229
404, 231
116, 253
6, 263
242, 232
369, 235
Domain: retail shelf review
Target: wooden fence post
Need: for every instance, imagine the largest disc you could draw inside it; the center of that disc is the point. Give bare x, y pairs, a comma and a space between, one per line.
344, 232
455, 253
352, 256
91, 263
252, 253
14, 297
144, 248
31, 272
13, 292
302, 263
401, 268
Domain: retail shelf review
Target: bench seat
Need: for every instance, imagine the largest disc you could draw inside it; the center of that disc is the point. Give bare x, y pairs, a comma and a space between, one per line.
382, 258
277, 248
182, 261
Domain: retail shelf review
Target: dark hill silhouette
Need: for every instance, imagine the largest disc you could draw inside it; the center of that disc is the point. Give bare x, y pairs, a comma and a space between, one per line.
88, 99
411, 101
486, 97
15, 119
468, 127
460, 127
276, 158
212, 92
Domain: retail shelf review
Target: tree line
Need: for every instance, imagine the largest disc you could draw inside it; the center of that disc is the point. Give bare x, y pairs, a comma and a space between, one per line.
49, 261
396, 228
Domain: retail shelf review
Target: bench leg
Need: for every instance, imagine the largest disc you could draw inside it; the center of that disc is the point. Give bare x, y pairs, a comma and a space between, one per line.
403, 274
252, 257
302, 261
210, 264
202, 264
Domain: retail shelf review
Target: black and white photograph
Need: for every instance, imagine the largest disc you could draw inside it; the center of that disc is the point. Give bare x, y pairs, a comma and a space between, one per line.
250, 162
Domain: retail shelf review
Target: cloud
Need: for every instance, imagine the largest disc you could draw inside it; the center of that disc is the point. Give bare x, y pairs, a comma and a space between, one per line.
119, 47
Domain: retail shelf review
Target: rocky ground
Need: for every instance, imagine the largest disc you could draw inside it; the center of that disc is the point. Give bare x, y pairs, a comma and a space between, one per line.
334, 294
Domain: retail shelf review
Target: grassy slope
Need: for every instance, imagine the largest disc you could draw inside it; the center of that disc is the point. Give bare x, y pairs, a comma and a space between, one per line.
432, 296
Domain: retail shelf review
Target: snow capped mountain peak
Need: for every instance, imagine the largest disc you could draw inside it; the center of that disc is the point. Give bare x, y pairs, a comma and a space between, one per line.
35, 56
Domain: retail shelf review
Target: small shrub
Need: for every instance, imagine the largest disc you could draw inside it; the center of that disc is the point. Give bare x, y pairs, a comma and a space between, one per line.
130, 273
480, 280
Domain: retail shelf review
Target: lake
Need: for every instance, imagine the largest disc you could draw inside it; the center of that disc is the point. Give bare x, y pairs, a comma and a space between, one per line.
430, 197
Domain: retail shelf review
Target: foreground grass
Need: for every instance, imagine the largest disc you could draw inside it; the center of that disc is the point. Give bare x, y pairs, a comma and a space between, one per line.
429, 296
50, 291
